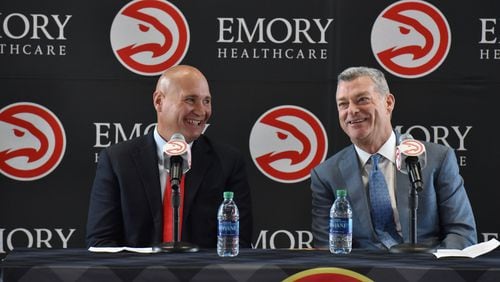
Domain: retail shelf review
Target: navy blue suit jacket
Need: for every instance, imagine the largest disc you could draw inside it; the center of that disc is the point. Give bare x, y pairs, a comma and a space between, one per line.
126, 208
444, 215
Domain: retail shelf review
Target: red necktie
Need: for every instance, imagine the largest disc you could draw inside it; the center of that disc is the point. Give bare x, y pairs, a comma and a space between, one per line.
168, 215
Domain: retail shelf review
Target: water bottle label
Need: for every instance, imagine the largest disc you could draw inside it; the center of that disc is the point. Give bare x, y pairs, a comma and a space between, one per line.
229, 228
341, 226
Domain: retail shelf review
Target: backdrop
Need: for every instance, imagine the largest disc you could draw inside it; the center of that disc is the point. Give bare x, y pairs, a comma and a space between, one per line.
78, 76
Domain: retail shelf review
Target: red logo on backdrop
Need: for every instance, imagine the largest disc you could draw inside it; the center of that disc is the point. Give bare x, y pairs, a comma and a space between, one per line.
149, 36
286, 142
411, 38
327, 274
33, 141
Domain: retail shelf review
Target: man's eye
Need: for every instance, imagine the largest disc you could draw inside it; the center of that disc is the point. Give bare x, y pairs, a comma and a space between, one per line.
363, 100
342, 105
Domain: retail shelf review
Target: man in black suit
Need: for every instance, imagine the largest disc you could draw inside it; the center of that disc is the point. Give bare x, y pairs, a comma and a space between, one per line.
126, 200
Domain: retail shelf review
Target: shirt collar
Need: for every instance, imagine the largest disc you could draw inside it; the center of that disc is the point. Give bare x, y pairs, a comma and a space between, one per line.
388, 151
160, 142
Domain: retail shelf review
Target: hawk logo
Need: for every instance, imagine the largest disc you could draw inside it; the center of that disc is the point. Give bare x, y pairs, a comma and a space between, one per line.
149, 36
33, 141
411, 39
286, 142
175, 148
327, 274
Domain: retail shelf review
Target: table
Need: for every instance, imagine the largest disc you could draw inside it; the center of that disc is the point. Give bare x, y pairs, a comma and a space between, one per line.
250, 265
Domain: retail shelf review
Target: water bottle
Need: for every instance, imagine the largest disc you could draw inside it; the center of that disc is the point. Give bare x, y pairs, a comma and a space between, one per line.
228, 244
341, 224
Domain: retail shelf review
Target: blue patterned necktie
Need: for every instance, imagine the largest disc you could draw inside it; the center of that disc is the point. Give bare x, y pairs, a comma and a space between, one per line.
381, 209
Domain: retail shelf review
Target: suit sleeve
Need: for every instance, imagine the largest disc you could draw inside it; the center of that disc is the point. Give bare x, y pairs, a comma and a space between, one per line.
322, 199
455, 211
104, 223
238, 182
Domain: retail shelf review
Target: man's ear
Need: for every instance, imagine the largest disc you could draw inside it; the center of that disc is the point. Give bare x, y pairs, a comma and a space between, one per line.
157, 100
390, 102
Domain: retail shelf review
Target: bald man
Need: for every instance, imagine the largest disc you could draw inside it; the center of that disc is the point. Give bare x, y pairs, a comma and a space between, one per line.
126, 206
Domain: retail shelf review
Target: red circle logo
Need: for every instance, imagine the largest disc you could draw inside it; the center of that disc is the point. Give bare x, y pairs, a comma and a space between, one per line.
149, 36
175, 147
411, 39
321, 274
287, 142
33, 141
411, 147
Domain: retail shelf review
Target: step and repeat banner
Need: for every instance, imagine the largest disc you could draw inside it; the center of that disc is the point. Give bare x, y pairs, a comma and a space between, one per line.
78, 76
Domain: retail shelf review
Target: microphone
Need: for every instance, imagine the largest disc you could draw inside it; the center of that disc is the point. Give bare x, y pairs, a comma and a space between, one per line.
412, 154
410, 159
176, 158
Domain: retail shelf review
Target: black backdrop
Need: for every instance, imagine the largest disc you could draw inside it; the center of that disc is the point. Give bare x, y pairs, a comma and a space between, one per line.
276, 59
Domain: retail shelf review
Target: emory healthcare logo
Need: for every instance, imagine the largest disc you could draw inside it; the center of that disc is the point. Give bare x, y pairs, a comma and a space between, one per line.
287, 142
149, 36
411, 39
33, 141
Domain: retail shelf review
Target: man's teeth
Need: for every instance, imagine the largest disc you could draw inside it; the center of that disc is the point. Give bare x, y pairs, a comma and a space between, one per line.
356, 121
194, 122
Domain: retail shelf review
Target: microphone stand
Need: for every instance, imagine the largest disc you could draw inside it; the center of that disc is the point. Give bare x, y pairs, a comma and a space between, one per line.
417, 186
176, 246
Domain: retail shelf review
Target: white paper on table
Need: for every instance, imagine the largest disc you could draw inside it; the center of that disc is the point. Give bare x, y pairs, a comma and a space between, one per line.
147, 250
469, 252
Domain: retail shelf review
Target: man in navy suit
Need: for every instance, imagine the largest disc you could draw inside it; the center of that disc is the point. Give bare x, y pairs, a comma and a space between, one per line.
365, 105
126, 200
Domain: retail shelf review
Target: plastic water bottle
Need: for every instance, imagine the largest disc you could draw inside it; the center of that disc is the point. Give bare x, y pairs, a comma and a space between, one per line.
228, 244
341, 224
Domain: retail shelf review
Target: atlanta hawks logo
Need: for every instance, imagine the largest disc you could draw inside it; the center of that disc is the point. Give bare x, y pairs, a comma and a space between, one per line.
175, 147
411, 38
411, 147
286, 142
33, 141
149, 36
327, 274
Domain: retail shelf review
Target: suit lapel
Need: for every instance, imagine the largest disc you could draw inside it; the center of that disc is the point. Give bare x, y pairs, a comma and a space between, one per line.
402, 194
351, 172
201, 159
146, 161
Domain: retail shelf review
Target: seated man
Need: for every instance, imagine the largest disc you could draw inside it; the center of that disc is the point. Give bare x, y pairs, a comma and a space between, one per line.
445, 217
126, 200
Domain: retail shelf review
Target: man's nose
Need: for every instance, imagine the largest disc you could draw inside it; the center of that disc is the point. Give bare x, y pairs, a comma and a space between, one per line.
353, 108
199, 108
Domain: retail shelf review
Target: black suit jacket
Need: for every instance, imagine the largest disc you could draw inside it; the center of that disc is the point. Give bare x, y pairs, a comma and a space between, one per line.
126, 208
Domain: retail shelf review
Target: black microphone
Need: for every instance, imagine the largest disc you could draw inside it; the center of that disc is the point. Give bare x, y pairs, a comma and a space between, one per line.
412, 154
176, 158
177, 161
411, 159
